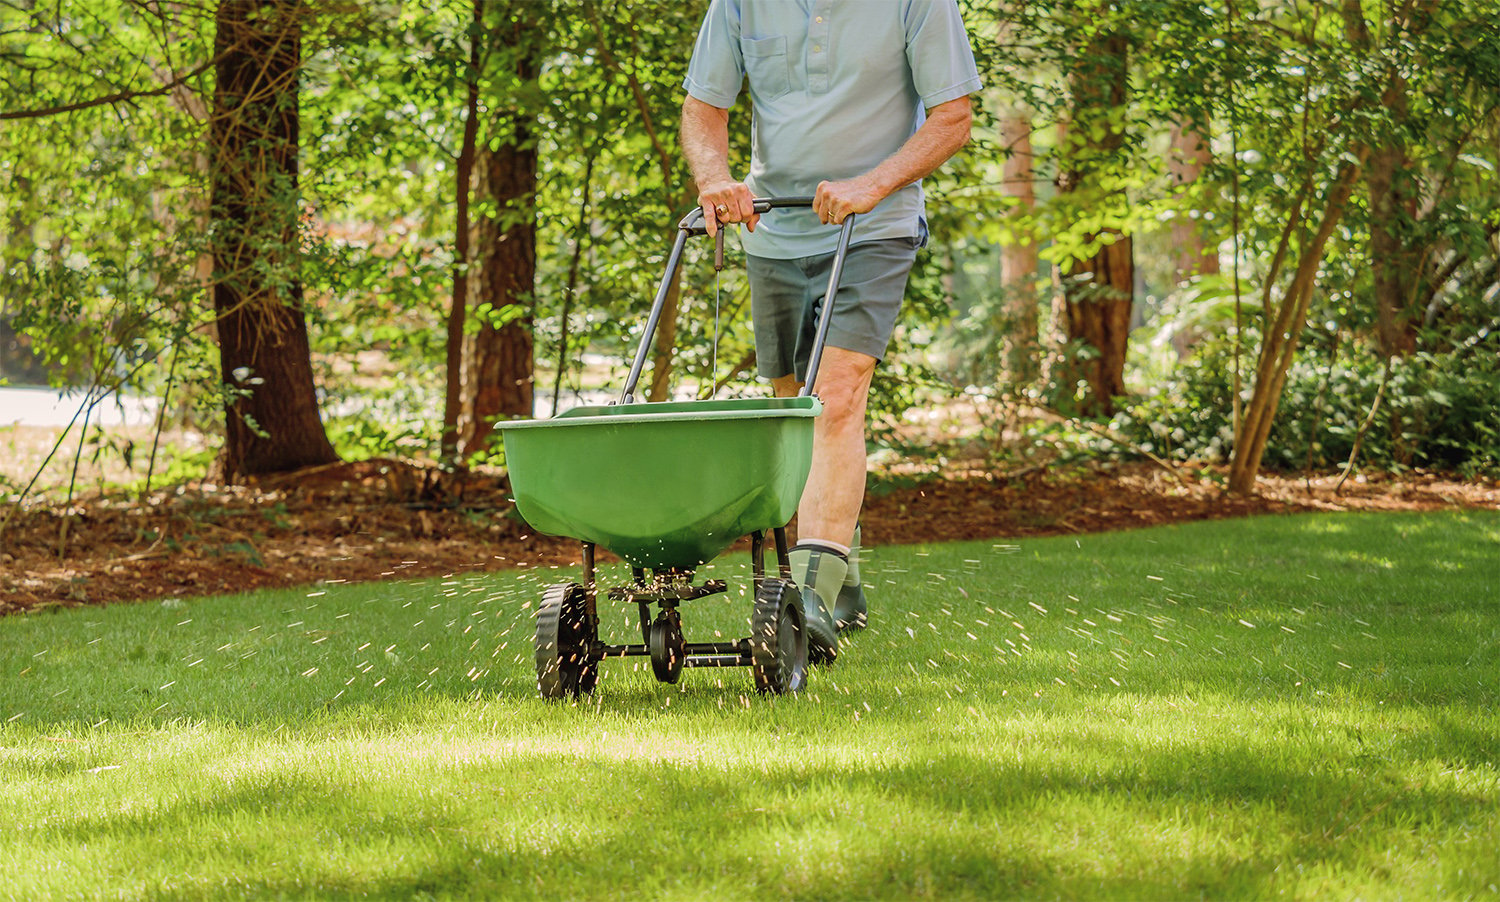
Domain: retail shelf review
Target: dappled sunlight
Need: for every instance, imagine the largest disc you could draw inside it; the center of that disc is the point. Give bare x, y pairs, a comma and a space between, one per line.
1155, 791
1096, 715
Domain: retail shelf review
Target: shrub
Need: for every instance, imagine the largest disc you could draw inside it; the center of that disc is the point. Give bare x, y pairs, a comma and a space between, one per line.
1440, 411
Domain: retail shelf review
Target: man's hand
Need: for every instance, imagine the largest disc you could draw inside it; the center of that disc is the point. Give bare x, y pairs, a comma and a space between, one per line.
727, 201
944, 132
705, 143
836, 200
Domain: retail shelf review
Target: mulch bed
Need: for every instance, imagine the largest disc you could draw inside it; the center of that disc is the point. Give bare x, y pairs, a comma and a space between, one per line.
389, 519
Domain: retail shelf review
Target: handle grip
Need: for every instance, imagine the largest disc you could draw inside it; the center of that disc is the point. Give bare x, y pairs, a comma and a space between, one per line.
694, 224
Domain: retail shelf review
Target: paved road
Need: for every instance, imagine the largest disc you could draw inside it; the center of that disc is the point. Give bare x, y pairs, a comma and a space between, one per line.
27, 406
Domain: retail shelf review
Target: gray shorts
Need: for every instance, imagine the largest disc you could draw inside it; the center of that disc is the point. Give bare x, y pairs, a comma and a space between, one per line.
786, 297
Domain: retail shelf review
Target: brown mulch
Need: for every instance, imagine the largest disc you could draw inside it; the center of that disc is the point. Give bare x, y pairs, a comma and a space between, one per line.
388, 519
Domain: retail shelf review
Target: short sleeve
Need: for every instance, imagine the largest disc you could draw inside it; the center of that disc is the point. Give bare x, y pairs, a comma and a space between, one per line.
717, 69
938, 51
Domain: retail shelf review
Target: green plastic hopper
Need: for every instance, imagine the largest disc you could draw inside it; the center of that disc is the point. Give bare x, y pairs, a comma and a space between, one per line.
665, 485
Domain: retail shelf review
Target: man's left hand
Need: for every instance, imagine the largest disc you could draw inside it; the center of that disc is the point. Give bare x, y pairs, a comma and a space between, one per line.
836, 200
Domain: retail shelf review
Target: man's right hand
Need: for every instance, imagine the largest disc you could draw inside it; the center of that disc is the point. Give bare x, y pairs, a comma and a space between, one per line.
726, 202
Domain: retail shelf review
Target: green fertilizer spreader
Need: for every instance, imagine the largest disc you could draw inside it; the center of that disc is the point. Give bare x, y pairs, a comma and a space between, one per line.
668, 487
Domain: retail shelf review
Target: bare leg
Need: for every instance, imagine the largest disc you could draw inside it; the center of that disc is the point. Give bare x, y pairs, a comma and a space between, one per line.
836, 486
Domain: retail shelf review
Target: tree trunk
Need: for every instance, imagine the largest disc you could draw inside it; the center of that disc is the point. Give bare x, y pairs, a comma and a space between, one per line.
570, 293
1279, 346
1394, 261
272, 423
665, 347
1098, 292
1018, 257
458, 306
501, 374
1098, 297
1191, 254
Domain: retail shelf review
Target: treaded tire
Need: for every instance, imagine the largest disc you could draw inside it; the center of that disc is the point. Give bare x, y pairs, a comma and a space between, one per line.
666, 648
778, 638
565, 666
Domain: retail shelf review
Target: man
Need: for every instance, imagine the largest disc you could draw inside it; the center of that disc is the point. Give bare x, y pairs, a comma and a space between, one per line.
854, 103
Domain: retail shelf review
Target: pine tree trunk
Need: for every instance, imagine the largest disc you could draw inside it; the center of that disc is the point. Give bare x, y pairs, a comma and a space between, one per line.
501, 375
1394, 266
1188, 156
1019, 257
1098, 292
1097, 312
1192, 256
272, 422
459, 305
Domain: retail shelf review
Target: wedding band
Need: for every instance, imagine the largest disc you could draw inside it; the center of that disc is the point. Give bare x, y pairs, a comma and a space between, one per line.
721, 209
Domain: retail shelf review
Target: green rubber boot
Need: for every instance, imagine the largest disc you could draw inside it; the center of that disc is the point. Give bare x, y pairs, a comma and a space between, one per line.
850, 610
819, 574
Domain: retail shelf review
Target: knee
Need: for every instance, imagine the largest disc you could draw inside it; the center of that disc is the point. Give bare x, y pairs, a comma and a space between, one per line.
843, 396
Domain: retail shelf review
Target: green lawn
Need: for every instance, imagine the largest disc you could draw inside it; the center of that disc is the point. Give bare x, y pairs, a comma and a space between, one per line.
1286, 706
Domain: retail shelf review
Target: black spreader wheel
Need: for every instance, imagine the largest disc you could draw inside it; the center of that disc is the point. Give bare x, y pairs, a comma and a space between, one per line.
778, 638
668, 650
565, 640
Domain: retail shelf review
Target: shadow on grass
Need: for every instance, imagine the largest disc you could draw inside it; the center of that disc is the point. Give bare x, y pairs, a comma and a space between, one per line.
1176, 821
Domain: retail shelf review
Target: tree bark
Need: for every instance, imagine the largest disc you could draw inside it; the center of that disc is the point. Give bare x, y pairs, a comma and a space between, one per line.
1192, 256
1098, 297
1019, 256
272, 422
1188, 157
1394, 261
458, 306
1279, 345
1097, 292
501, 374
665, 347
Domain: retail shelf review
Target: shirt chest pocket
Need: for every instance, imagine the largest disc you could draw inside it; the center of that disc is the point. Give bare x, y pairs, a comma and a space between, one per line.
767, 65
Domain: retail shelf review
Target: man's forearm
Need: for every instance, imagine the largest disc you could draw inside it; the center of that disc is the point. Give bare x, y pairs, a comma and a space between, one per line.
705, 141
940, 137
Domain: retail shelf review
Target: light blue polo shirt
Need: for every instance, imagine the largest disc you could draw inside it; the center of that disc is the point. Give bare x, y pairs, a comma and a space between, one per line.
837, 86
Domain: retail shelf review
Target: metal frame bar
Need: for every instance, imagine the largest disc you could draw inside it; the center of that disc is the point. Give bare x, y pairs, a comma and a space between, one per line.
693, 224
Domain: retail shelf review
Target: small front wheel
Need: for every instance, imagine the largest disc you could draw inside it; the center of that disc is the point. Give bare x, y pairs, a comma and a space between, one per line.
668, 651
565, 638
778, 638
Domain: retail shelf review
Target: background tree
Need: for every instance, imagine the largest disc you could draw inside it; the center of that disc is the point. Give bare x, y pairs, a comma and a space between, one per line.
463, 178
1097, 281
499, 370
272, 421
105, 181
1019, 255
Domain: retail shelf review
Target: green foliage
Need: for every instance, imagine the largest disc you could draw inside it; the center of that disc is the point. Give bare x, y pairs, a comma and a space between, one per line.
97, 261
102, 204
365, 435
1438, 412
177, 464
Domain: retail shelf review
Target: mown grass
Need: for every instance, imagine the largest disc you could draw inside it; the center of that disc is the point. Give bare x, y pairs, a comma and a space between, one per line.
1302, 707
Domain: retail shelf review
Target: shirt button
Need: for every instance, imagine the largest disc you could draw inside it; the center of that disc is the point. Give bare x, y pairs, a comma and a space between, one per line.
819, 19
817, 48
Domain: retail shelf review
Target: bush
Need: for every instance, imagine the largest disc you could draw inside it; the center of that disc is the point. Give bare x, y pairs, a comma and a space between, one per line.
1440, 412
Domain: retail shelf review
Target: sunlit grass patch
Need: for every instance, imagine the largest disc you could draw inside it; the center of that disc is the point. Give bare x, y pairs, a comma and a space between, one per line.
1227, 709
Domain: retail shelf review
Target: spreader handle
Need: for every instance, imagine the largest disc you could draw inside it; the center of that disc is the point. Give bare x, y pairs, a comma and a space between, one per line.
693, 224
